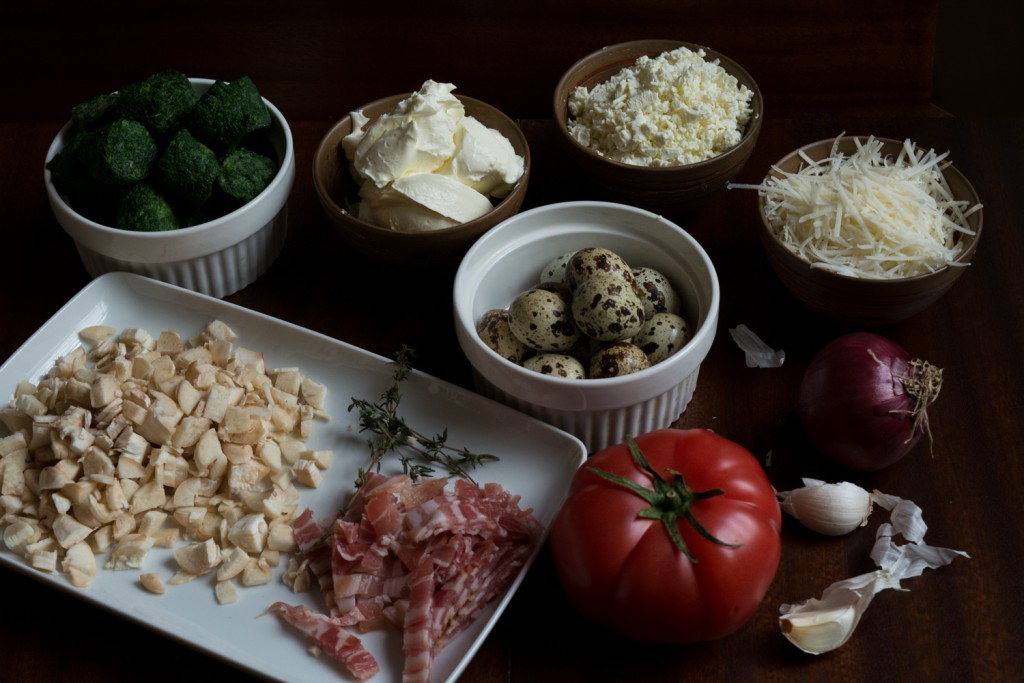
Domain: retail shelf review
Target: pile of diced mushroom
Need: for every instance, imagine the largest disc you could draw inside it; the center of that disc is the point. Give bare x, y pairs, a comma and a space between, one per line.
132, 442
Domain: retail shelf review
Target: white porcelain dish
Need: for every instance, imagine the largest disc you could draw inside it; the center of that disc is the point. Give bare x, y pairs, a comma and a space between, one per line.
537, 462
218, 257
508, 259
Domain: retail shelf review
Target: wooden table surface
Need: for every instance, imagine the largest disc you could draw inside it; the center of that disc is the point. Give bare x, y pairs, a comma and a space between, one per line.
962, 622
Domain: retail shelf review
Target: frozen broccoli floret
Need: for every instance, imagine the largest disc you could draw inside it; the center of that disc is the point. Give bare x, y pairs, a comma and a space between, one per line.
67, 168
244, 174
159, 102
129, 159
83, 193
227, 113
143, 208
187, 169
119, 154
94, 113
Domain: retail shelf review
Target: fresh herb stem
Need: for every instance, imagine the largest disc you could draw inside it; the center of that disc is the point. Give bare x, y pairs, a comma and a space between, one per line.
418, 453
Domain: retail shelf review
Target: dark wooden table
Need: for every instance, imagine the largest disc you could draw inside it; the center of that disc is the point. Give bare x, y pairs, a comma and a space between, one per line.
962, 622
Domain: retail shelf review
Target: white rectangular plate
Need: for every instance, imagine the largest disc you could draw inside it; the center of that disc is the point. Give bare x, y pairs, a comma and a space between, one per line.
536, 461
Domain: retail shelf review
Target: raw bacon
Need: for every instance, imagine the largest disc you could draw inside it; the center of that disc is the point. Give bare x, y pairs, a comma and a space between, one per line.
417, 556
330, 637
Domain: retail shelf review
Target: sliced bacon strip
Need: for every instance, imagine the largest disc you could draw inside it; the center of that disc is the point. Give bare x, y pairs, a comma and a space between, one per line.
420, 557
310, 536
330, 637
418, 634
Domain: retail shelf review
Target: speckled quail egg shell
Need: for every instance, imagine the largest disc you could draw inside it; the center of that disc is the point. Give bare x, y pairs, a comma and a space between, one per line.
590, 261
606, 308
541, 318
615, 360
662, 335
585, 348
658, 293
554, 270
494, 330
557, 364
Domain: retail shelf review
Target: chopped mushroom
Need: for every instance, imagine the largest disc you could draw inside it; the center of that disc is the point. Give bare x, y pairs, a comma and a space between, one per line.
153, 583
132, 442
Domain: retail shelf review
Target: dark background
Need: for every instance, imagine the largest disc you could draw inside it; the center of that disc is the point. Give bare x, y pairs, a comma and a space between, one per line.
886, 67
978, 52
312, 59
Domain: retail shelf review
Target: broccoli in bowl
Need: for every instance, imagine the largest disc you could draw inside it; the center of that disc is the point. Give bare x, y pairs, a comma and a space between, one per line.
165, 148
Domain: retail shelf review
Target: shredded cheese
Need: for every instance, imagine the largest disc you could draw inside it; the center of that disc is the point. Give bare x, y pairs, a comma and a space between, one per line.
866, 215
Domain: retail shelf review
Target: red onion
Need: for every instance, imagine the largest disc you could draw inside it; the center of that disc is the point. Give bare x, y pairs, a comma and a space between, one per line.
864, 401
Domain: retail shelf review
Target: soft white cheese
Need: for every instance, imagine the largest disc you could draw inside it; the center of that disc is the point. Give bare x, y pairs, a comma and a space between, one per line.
674, 109
388, 208
485, 160
444, 195
427, 165
417, 137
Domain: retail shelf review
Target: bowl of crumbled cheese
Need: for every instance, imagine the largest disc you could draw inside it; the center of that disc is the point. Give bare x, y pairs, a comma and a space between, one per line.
658, 123
868, 231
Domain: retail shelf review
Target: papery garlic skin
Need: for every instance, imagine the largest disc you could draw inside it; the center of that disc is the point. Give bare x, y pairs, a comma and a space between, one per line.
817, 625
830, 509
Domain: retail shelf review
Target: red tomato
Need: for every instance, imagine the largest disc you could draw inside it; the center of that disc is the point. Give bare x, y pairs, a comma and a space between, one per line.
615, 552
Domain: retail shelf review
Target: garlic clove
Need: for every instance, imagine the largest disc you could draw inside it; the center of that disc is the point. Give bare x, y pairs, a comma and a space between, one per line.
820, 630
830, 509
818, 626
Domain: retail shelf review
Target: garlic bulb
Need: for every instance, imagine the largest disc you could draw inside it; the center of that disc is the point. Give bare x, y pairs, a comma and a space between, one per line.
830, 509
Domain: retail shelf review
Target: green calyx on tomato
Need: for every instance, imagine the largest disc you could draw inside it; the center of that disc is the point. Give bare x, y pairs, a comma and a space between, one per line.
669, 500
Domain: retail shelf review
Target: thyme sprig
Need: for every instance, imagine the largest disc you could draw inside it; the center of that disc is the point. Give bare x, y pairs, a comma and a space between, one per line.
418, 453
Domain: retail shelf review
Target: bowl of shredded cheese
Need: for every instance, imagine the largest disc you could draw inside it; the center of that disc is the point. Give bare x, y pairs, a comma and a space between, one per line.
866, 230
658, 124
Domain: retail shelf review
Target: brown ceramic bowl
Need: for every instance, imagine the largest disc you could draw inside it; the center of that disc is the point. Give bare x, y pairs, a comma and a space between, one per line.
857, 301
655, 189
338, 192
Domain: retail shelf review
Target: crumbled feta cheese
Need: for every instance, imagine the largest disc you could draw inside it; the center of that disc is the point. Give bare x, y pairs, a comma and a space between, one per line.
674, 109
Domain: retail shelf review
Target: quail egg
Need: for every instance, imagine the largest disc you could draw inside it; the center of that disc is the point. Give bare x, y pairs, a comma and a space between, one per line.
554, 270
658, 292
662, 335
591, 261
495, 331
606, 308
585, 348
541, 318
558, 364
615, 360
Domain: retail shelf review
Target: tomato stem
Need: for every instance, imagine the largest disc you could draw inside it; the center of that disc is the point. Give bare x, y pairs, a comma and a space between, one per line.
669, 500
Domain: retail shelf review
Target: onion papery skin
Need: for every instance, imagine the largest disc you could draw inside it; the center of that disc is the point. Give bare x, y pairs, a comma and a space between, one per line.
846, 398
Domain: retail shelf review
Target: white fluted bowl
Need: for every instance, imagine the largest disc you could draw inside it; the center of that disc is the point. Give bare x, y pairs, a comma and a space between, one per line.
508, 259
218, 257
